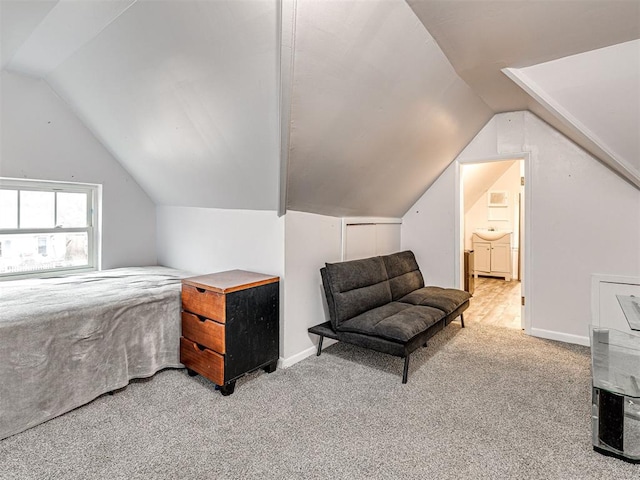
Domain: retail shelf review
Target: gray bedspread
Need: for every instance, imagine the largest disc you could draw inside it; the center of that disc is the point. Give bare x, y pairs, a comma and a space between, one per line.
65, 341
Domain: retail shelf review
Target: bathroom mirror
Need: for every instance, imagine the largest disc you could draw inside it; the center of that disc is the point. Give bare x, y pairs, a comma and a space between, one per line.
498, 198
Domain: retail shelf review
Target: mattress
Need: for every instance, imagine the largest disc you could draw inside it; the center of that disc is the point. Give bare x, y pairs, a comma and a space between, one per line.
65, 341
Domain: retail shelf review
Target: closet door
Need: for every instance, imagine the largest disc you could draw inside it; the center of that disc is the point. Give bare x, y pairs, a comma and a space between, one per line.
361, 241
365, 240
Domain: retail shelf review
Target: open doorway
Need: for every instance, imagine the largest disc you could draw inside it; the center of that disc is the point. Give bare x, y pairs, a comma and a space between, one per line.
492, 238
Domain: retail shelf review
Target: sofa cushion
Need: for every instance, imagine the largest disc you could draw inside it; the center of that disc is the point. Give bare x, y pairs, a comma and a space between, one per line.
403, 272
356, 287
395, 321
445, 299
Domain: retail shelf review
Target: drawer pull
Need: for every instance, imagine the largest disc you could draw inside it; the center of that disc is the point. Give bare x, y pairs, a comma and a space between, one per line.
199, 347
200, 301
203, 331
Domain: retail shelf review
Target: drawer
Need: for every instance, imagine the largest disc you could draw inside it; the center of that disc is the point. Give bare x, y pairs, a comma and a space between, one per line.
203, 302
206, 362
203, 331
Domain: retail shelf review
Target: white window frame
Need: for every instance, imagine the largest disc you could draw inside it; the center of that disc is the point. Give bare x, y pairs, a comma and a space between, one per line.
94, 194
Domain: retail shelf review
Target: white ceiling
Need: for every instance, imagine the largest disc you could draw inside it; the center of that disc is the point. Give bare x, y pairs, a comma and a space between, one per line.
49, 45
185, 93
480, 37
483, 37
598, 92
18, 20
377, 111
181, 93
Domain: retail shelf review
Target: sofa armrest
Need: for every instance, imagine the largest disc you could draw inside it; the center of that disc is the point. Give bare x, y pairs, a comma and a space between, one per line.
329, 296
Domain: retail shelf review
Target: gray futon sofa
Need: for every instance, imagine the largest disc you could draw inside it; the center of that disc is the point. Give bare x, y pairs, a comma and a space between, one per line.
381, 303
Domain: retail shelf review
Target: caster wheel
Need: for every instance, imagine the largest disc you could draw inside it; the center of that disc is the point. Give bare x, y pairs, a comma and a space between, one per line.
191, 373
227, 389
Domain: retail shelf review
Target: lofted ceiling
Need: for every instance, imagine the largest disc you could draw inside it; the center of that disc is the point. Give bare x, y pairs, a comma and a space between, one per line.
377, 111
182, 93
481, 38
378, 98
598, 93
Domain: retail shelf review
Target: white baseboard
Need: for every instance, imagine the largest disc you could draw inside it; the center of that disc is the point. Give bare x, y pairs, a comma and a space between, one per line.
293, 359
561, 337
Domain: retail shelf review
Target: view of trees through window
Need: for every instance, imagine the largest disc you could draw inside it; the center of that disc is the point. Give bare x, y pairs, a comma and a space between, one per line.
43, 230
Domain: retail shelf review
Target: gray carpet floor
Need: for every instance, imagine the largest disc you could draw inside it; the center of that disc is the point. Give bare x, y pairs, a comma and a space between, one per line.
482, 402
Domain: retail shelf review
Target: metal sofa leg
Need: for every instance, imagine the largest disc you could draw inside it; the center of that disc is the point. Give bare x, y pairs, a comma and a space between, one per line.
405, 371
462, 320
319, 346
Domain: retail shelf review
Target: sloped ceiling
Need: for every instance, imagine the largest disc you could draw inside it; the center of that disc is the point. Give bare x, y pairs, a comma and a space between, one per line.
183, 93
18, 19
481, 38
186, 93
478, 177
377, 111
597, 92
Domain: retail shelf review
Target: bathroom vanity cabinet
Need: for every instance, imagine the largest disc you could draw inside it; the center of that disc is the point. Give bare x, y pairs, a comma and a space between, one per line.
492, 252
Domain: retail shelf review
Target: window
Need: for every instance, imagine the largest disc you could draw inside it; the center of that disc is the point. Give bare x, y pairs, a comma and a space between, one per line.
47, 227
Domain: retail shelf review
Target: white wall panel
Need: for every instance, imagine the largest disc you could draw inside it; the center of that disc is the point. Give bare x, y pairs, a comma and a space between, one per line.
428, 229
311, 241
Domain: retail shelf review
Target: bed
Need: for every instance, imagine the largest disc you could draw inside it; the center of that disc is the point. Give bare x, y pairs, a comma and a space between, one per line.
65, 341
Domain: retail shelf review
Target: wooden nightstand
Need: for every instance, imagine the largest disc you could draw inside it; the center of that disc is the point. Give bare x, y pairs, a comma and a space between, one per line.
230, 325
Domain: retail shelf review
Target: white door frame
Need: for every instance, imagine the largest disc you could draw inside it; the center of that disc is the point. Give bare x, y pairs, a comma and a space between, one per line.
525, 241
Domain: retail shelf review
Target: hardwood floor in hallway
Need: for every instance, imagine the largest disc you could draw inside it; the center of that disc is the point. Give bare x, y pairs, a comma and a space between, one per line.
495, 302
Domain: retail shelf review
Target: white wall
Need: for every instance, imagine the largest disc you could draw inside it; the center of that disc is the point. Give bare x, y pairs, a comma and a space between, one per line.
428, 228
584, 219
310, 241
42, 139
206, 240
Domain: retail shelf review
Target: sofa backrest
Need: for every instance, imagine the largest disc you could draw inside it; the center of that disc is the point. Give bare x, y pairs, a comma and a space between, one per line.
403, 272
355, 287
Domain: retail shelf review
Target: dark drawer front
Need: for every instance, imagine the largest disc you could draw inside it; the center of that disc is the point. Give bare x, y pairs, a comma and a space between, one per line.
206, 362
203, 331
204, 302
